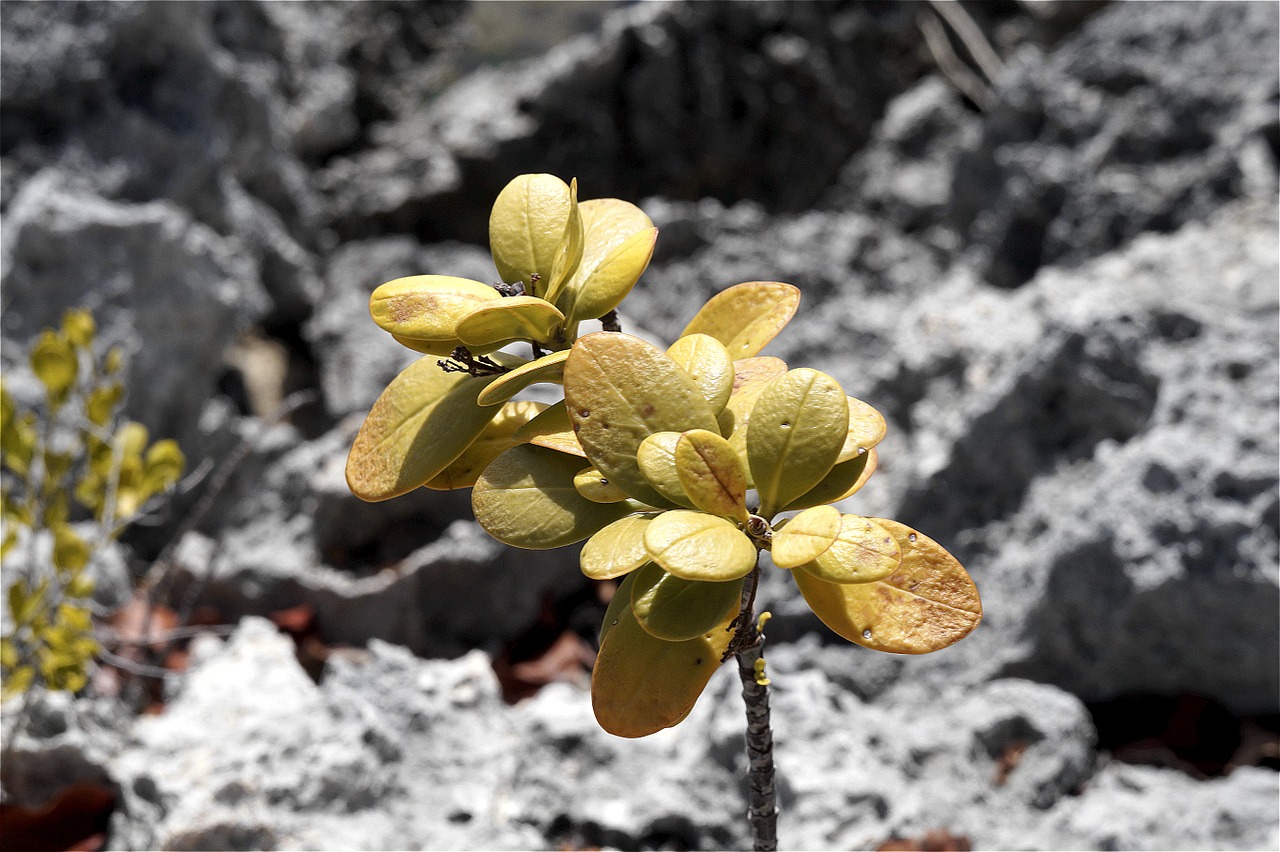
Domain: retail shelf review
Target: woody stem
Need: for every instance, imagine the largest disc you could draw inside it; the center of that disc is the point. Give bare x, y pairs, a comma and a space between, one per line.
748, 644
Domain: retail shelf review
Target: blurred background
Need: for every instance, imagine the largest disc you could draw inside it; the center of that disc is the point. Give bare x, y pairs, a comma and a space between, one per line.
1040, 237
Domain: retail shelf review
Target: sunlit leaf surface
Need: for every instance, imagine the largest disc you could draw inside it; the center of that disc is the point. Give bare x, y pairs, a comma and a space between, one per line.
746, 316
642, 684
675, 609
527, 498
698, 546
422, 421
619, 390
927, 604
797, 428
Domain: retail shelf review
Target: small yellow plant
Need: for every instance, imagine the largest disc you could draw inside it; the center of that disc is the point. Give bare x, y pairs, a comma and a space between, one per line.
70, 454
676, 467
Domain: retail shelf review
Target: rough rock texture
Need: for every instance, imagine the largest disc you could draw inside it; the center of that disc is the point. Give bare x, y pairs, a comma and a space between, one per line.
1067, 307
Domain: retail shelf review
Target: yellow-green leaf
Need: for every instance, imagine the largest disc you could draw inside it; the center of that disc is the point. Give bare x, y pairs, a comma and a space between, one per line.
619, 240
746, 316
709, 365
617, 549
751, 377
527, 229
806, 536
928, 603
674, 609
53, 360
711, 474
617, 274
526, 498
102, 401
548, 368
656, 457
843, 481
510, 319
70, 551
552, 429
619, 390
163, 466
422, 422
596, 487
497, 436
642, 684
797, 428
863, 551
698, 546
423, 311
78, 327
866, 429
570, 256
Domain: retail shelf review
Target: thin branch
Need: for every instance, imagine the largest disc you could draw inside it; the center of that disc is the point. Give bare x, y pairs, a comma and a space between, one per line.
762, 793
971, 35
951, 66
610, 321
161, 574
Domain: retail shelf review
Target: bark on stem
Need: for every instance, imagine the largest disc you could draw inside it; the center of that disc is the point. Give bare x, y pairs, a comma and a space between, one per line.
762, 807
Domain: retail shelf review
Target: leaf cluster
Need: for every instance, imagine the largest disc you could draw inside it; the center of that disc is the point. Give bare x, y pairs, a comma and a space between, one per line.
677, 467
70, 457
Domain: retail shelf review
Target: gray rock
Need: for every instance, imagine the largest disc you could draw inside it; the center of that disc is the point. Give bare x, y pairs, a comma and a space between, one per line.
1149, 117
751, 76
392, 751
169, 290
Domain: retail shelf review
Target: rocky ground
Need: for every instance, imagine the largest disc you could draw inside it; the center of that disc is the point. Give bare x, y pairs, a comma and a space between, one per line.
1053, 268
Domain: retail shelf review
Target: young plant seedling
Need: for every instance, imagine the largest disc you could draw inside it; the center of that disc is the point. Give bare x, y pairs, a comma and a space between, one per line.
677, 468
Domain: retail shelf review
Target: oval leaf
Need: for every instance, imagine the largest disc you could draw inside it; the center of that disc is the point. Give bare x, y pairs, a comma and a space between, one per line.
510, 319
496, 438
711, 474
526, 498
708, 363
422, 421
571, 246
548, 368
596, 487
616, 550
657, 459
671, 608
642, 684
797, 428
527, 229
862, 552
866, 429
746, 316
611, 281
805, 537
698, 546
927, 604
751, 377
423, 311
619, 390
843, 481
551, 429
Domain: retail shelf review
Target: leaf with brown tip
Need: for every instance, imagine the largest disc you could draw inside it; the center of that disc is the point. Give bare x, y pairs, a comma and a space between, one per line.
928, 603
